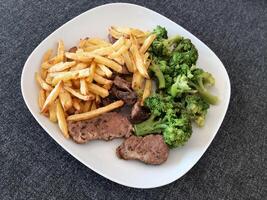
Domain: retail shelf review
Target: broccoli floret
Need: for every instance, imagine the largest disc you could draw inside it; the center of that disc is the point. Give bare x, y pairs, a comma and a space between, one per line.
166, 118
178, 131
200, 78
165, 47
180, 86
161, 32
197, 108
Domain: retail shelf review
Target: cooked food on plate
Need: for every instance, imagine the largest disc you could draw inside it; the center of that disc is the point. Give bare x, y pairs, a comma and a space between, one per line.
141, 86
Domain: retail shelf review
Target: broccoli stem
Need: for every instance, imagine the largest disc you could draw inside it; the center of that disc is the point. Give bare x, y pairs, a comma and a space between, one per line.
158, 73
211, 99
148, 127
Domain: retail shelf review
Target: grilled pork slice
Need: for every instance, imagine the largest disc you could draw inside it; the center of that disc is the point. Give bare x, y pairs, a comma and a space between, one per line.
150, 149
104, 127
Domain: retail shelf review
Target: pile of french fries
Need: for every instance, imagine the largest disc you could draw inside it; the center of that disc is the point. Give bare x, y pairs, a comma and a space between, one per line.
74, 82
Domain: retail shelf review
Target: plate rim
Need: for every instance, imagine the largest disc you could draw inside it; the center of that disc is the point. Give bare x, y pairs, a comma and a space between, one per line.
91, 166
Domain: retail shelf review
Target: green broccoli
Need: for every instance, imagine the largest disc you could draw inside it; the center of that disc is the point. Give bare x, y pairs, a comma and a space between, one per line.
165, 47
158, 73
161, 32
199, 80
180, 86
166, 118
197, 108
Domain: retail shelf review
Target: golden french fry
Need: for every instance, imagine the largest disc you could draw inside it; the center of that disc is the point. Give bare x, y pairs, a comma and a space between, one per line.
118, 53
101, 80
109, 63
147, 90
92, 48
137, 81
86, 106
79, 56
100, 72
65, 76
43, 73
91, 76
65, 99
61, 66
97, 41
60, 48
79, 95
141, 40
105, 69
119, 60
97, 99
52, 112
42, 83
62, 123
79, 66
93, 107
107, 86
83, 86
41, 98
104, 51
118, 44
147, 43
82, 43
49, 79
68, 83
139, 62
98, 90
97, 112
47, 55
52, 96
52, 61
114, 33
76, 104
128, 61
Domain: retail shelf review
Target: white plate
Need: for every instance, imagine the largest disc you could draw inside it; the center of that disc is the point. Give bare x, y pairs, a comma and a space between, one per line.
99, 155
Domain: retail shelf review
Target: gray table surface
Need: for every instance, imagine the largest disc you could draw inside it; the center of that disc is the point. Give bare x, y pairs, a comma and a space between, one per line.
33, 166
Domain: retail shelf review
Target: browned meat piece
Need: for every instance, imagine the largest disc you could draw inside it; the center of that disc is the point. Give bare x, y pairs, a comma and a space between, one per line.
128, 97
73, 49
122, 83
139, 113
105, 127
111, 39
150, 149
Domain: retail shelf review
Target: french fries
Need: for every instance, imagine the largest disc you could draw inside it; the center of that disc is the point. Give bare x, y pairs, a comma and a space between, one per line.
41, 98
83, 87
79, 95
147, 90
106, 70
86, 106
62, 123
96, 89
109, 63
42, 83
65, 99
52, 112
61, 66
52, 96
91, 75
101, 80
147, 43
95, 113
73, 83
139, 62
65, 76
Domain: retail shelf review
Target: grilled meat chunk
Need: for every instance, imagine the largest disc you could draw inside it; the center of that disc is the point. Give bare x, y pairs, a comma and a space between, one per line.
106, 127
150, 149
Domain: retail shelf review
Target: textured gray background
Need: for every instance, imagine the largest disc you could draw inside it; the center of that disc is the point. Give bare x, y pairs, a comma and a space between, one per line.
33, 166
